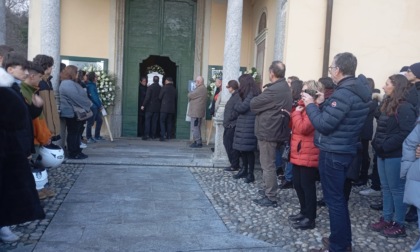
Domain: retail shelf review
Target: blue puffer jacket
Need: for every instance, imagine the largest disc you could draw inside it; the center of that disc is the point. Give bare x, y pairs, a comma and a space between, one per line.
93, 95
245, 139
339, 119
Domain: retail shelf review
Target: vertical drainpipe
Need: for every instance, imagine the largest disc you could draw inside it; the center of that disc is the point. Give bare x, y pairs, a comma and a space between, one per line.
327, 40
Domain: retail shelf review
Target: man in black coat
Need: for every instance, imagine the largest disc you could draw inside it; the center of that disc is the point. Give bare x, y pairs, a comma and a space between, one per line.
167, 97
152, 106
141, 114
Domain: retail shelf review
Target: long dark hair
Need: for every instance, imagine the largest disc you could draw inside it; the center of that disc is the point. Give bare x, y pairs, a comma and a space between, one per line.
296, 87
247, 85
401, 87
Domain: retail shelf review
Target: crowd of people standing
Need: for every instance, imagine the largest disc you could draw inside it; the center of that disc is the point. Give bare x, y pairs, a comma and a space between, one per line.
329, 125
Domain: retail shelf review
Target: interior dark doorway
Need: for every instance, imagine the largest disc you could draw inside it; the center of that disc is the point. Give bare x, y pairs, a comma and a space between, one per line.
170, 69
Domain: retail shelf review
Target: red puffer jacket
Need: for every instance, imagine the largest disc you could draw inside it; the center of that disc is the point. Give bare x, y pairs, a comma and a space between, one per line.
303, 150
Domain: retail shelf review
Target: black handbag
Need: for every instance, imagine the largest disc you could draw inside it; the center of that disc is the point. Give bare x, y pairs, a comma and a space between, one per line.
82, 114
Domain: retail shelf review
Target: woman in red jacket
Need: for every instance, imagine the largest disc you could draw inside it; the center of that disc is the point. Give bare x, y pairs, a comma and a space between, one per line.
304, 157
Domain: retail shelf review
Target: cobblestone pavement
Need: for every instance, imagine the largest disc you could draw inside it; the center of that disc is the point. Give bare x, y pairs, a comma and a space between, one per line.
232, 199
61, 180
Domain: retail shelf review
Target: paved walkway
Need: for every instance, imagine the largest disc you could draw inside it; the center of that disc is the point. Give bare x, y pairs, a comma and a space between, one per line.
133, 206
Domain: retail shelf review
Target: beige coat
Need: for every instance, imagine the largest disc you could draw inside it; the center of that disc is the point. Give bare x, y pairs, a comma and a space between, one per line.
198, 100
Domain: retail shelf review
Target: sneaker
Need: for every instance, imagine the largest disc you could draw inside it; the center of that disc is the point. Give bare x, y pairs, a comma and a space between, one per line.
370, 192
83, 145
99, 138
6, 235
380, 225
48, 192
265, 202
395, 231
42, 195
91, 140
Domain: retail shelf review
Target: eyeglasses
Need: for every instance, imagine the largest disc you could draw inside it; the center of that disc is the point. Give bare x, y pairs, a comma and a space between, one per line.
331, 67
228, 87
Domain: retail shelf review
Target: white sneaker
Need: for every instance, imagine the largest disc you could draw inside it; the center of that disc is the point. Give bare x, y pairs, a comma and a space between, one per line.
83, 145
6, 235
370, 192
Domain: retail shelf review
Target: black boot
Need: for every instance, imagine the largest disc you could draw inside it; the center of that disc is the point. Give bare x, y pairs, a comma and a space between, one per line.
243, 172
411, 215
250, 178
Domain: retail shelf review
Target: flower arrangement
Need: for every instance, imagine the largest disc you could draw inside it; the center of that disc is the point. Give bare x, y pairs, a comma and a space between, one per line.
105, 85
211, 87
254, 73
156, 68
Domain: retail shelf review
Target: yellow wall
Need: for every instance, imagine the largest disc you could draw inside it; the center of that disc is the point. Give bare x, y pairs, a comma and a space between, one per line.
304, 40
383, 34
85, 28
217, 33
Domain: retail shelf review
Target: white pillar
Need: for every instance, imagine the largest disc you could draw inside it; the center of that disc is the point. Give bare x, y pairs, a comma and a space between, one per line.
2, 22
231, 64
280, 30
50, 36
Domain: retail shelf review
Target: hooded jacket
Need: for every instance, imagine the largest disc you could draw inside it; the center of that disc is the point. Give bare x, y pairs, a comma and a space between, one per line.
339, 120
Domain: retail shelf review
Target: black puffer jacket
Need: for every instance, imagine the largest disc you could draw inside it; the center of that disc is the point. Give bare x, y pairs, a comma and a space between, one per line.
231, 115
392, 130
245, 139
339, 120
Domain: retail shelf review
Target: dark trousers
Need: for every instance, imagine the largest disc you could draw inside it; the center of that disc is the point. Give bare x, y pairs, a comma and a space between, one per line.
376, 182
96, 118
365, 160
333, 168
304, 179
151, 124
248, 160
166, 124
141, 124
73, 136
233, 155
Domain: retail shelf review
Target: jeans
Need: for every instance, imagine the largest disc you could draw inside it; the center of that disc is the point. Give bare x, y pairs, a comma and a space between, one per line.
268, 165
151, 121
416, 247
96, 118
304, 179
73, 136
288, 171
392, 189
333, 169
196, 129
166, 119
233, 155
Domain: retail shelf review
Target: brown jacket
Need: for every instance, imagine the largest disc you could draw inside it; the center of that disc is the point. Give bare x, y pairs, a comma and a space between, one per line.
50, 111
198, 100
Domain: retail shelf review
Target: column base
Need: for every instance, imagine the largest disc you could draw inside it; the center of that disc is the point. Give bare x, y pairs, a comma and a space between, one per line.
220, 158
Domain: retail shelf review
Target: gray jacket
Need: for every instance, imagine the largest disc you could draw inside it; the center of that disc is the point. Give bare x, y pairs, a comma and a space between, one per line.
410, 168
72, 94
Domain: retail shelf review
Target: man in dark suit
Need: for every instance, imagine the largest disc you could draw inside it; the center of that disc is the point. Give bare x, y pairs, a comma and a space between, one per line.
141, 114
167, 97
151, 105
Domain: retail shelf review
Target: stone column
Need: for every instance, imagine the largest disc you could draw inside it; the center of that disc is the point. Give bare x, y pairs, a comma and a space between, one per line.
2, 22
231, 64
50, 38
280, 29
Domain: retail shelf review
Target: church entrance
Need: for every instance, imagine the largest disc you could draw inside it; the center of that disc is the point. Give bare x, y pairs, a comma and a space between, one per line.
155, 35
170, 70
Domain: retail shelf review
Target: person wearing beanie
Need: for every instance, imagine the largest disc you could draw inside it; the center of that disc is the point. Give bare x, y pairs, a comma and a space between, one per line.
413, 76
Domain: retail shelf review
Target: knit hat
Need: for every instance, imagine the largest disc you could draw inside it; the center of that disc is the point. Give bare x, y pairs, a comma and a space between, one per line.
415, 69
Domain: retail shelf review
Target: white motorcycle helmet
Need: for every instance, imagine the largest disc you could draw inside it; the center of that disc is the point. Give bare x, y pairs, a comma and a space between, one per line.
41, 177
50, 156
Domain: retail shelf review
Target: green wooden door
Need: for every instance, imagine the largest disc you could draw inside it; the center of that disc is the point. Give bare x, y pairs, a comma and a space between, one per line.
164, 28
